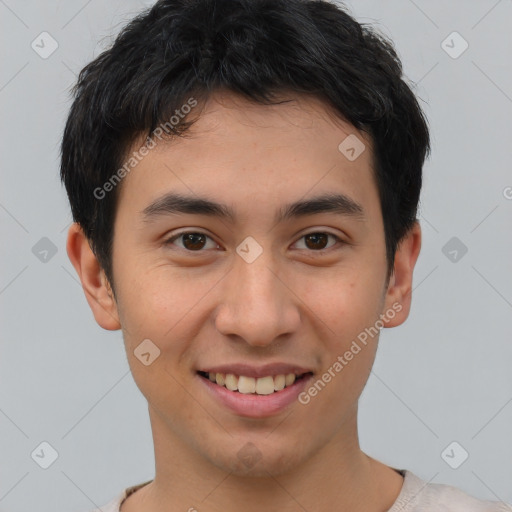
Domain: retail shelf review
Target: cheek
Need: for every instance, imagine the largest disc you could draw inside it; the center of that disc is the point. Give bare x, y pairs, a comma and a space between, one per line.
165, 305
346, 302
350, 343
153, 300
151, 313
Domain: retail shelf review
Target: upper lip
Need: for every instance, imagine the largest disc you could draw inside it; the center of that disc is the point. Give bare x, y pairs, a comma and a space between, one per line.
257, 371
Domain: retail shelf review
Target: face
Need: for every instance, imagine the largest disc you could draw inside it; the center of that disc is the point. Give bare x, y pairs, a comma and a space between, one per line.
263, 292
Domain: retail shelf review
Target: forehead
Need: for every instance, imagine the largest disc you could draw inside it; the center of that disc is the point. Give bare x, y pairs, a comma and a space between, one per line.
240, 152
287, 123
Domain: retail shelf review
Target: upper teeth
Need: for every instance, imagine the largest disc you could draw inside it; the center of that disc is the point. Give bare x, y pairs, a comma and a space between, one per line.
246, 385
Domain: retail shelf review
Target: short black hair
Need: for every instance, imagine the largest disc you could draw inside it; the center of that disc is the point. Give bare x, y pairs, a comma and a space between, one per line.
260, 49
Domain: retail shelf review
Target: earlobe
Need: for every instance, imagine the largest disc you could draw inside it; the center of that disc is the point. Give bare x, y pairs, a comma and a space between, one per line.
399, 290
94, 283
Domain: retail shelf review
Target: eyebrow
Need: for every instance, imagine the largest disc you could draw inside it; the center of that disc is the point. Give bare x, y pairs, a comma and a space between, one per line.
173, 203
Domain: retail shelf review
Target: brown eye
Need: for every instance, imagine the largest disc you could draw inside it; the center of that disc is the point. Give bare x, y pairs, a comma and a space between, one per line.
192, 241
317, 241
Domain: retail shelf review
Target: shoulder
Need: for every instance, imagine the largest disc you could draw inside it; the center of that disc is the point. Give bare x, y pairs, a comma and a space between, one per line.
420, 496
112, 506
115, 504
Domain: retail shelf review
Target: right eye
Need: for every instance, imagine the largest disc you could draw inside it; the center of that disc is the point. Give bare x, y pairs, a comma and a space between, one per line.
193, 241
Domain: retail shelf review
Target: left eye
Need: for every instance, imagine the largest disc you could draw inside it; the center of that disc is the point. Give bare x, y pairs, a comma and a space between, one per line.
316, 239
194, 241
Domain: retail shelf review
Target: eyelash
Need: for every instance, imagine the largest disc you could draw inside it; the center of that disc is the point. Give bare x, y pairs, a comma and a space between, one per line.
317, 252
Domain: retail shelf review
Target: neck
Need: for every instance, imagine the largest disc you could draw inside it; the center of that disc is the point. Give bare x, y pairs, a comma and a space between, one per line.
339, 476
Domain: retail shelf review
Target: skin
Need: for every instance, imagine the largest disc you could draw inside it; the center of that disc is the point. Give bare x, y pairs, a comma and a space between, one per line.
286, 306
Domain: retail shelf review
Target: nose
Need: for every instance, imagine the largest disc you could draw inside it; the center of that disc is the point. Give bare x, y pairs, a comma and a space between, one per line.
256, 304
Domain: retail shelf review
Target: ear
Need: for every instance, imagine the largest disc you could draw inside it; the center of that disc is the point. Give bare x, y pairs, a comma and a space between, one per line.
399, 291
94, 282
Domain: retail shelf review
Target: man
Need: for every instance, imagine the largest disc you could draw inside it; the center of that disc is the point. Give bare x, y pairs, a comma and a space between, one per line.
244, 178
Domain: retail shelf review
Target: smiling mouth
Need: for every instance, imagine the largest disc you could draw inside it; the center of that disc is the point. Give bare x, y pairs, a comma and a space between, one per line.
254, 386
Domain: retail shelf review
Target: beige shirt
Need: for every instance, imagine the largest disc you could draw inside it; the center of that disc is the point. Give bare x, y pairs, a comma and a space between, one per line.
416, 496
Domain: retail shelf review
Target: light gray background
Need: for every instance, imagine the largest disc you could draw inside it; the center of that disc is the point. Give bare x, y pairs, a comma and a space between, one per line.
443, 376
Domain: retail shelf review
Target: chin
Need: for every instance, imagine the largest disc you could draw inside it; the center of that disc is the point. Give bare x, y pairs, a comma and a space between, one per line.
257, 459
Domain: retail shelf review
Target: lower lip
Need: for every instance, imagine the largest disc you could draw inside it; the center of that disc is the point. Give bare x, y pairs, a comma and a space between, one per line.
256, 406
